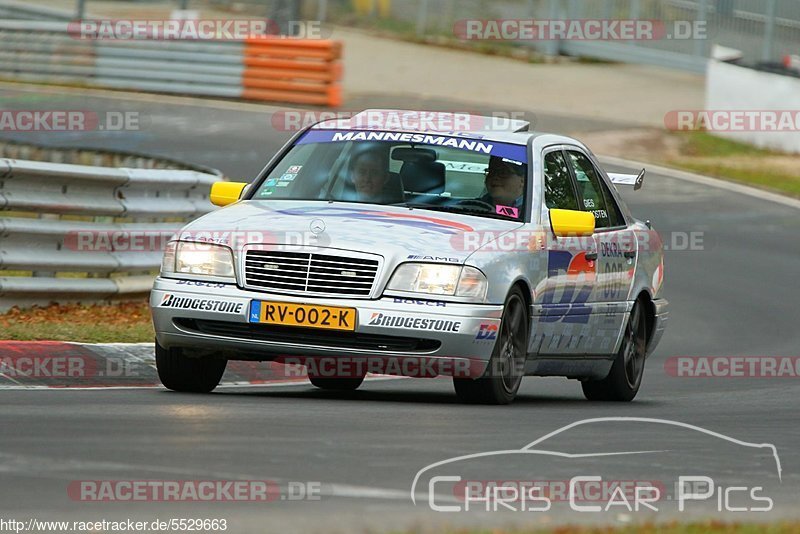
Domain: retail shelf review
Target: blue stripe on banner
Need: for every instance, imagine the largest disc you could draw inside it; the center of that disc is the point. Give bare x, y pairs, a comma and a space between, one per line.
472, 144
255, 311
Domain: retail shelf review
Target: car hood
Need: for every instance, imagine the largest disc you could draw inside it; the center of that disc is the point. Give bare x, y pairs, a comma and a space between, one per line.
394, 232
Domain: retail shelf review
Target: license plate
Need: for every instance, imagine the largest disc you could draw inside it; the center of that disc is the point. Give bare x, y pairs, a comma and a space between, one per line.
307, 315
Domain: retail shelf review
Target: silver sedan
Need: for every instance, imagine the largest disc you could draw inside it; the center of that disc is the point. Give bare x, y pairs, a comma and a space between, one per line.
485, 254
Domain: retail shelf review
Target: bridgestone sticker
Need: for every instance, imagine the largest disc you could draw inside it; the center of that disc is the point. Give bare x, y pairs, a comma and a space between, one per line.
415, 323
189, 303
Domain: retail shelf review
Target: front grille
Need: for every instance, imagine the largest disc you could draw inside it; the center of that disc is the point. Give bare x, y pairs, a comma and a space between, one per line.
307, 272
308, 336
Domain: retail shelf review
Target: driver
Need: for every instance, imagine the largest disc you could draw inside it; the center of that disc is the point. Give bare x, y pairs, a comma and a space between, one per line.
370, 174
505, 183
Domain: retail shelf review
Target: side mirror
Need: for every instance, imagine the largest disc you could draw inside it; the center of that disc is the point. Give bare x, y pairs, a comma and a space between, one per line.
571, 223
224, 193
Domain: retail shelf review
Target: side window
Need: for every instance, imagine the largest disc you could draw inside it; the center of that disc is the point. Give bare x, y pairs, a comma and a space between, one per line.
593, 195
558, 191
614, 213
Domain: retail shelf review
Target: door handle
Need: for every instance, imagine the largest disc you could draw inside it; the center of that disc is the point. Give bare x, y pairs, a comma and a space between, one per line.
629, 254
590, 256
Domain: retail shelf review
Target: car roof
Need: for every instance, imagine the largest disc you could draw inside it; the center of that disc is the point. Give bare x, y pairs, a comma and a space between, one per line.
499, 129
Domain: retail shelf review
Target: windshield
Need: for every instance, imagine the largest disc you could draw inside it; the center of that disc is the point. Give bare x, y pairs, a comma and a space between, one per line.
444, 173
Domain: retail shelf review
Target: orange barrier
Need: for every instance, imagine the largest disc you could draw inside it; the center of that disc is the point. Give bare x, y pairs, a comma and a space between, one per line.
298, 71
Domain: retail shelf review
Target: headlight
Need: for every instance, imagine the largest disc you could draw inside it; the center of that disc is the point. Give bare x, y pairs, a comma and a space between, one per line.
168, 261
435, 279
472, 283
200, 259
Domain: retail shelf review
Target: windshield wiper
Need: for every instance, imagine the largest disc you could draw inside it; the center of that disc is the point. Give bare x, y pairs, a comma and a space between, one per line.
457, 209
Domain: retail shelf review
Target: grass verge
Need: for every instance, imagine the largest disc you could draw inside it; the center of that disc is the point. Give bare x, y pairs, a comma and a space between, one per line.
125, 322
739, 162
703, 153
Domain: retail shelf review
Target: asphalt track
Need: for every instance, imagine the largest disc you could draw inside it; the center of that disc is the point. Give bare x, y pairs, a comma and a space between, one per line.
737, 295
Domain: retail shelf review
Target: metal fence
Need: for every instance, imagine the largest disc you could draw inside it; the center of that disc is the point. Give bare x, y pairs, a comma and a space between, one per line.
764, 30
76, 232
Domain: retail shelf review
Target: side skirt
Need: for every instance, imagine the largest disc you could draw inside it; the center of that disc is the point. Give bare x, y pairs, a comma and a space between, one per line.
594, 367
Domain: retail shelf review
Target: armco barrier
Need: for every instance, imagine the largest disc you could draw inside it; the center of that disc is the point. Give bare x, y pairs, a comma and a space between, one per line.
297, 71
45, 207
12, 9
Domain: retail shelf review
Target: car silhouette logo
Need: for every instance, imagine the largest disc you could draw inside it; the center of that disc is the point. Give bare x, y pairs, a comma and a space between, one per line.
534, 448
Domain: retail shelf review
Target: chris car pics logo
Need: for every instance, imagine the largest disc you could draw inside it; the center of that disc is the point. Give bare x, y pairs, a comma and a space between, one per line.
461, 484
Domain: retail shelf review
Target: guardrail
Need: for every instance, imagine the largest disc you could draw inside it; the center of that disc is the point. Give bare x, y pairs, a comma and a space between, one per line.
10, 9
297, 71
76, 232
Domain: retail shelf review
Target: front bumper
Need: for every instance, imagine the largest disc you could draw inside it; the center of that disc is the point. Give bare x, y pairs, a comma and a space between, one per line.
215, 318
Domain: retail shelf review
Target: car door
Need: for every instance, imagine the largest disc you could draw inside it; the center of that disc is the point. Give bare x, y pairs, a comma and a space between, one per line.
616, 247
562, 311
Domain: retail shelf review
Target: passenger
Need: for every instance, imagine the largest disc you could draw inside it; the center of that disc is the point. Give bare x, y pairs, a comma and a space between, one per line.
505, 183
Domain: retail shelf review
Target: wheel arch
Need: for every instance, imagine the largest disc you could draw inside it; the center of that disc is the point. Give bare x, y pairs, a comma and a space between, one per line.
525, 287
649, 313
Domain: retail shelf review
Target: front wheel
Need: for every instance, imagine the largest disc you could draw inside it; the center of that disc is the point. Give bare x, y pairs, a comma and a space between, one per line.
190, 375
625, 377
503, 376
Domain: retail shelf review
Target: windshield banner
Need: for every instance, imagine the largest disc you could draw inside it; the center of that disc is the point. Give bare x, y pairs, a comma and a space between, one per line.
473, 144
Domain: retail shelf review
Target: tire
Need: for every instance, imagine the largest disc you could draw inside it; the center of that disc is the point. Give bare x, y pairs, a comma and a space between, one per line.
503, 376
189, 375
623, 381
337, 384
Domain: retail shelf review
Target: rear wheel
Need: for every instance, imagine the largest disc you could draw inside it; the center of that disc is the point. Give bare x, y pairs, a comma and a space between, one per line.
182, 373
503, 376
625, 377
